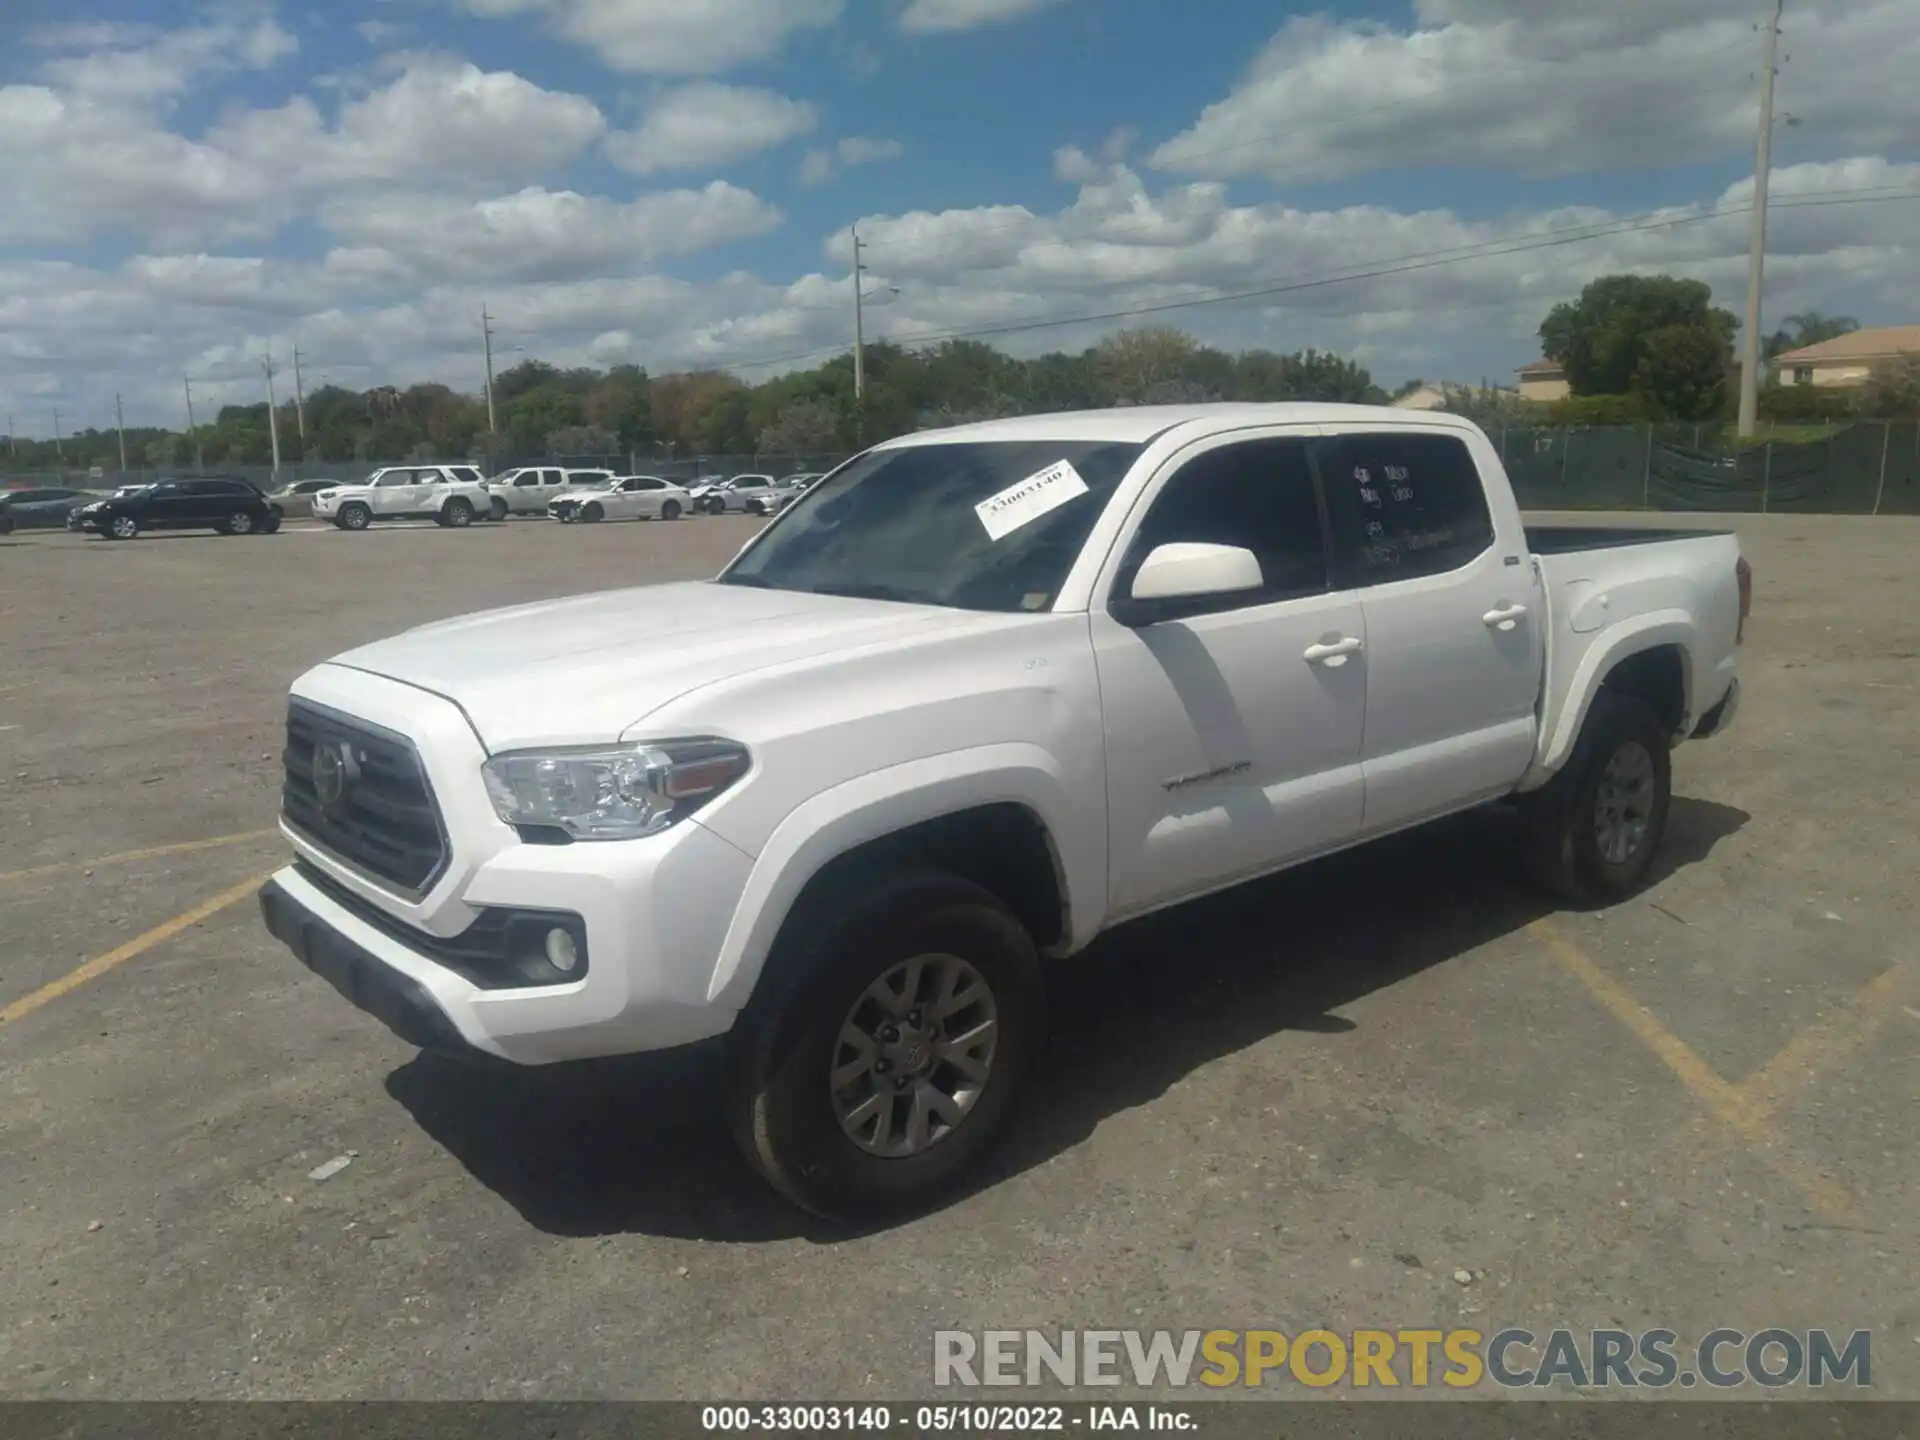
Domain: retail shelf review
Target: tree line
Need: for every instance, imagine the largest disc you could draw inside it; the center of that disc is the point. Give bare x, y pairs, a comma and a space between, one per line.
1635, 349
542, 409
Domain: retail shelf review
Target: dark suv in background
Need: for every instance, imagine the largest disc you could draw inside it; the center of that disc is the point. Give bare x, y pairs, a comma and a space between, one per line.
230, 506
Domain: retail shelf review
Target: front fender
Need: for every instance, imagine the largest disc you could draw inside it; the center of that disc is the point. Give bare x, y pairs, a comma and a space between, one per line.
870, 807
1579, 663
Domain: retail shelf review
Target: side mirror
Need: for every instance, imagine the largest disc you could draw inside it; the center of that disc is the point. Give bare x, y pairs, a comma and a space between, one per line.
1173, 577
1189, 571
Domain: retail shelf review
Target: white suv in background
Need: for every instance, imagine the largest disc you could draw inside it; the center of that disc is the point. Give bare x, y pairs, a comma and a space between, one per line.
453, 495
530, 489
632, 497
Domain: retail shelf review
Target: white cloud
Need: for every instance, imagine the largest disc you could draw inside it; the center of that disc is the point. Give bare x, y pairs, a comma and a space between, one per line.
673, 37
820, 166
397, 300
1550, 88
97, 167
539, 234
128, 65
705, 124
948, 16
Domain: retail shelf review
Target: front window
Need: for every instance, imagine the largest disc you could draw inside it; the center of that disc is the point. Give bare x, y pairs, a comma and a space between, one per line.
986, 526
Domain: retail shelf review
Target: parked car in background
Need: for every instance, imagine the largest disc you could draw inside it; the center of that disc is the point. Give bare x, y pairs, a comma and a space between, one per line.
297, 498
42, 509
453, 495
226, 504
786, 490
747, 494
630, 497
530, 489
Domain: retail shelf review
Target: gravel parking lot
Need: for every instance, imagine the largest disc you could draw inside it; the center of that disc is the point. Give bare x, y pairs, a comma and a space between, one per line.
1318, 1100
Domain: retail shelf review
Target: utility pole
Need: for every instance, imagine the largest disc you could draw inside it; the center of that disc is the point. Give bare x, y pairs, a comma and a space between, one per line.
1757, 253
10, 450
859, 323
59, 450
273, 418
120, 426
300, 401
486, 337
193, 434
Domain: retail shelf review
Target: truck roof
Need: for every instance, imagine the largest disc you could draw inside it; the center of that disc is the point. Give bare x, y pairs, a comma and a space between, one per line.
1138, 424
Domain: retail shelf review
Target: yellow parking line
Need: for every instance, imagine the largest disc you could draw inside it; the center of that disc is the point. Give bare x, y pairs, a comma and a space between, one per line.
1720, 1098
1823, 1045
1731, 1105
134, 948
151, 852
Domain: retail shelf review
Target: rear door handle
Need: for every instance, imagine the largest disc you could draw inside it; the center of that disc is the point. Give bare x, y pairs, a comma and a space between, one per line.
1334, 654
1504, 618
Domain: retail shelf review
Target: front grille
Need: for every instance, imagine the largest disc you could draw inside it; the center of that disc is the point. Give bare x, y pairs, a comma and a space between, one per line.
382, 821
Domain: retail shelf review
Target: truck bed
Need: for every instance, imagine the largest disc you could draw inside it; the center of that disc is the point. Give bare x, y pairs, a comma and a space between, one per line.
1565, 539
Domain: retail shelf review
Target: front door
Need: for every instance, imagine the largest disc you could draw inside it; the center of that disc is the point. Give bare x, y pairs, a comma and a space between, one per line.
1233, 725
394, 493
170, 505
1453, 637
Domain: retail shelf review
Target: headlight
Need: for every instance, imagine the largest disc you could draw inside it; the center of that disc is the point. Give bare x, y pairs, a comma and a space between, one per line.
618, 792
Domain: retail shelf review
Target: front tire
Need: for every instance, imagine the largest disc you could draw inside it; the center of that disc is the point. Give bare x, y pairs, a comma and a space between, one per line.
238, 523
498, 509
593, 514
354, 516
1592, 832
121, 527
885, 1047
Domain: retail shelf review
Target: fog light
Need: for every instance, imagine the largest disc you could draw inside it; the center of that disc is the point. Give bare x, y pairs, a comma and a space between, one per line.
562, 953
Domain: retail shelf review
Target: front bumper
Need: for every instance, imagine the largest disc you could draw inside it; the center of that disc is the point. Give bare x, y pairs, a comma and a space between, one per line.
656, 911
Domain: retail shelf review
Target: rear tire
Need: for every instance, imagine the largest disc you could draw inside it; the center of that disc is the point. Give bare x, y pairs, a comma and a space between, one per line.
670, 510
354, 516
1591, 833
790, 1051
457, 513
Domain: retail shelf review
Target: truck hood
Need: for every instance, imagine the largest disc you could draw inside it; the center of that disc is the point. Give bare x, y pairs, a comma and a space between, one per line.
583, 670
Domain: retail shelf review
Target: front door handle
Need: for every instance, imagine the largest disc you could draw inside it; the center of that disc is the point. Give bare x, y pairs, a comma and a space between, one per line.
1334, 653
1504, 618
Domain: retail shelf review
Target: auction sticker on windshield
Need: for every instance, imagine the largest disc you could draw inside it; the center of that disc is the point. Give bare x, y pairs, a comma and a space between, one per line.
1033, 497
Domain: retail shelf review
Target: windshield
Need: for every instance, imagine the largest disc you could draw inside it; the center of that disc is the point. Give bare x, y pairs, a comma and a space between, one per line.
908, 524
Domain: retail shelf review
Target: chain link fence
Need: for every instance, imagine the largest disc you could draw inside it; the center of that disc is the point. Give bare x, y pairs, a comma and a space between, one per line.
1870, 468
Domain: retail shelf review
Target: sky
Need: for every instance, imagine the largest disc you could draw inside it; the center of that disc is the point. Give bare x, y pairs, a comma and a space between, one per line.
187, 188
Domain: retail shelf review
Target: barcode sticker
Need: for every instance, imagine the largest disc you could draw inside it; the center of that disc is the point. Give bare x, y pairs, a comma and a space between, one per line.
1022, 504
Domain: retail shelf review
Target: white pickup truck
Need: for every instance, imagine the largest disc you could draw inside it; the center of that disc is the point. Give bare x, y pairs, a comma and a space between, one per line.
980, 695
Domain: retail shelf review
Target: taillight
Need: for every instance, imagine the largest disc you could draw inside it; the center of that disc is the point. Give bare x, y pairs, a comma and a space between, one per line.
1743, 572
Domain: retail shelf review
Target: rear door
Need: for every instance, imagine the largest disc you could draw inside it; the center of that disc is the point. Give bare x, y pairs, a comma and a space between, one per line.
1453, 638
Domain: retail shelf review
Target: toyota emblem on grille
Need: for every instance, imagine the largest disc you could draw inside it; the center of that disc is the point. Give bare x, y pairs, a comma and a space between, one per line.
335, 769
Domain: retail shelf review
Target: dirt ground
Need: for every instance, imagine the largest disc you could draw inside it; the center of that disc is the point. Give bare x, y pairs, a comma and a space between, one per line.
1317, 1100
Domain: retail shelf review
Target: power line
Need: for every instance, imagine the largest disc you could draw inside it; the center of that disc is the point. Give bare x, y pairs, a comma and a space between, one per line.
1430, 260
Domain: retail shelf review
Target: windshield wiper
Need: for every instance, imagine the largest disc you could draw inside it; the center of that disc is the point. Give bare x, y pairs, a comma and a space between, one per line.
857, 590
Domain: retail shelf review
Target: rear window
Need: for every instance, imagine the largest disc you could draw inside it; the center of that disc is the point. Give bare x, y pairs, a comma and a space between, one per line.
1405, 504
466, 475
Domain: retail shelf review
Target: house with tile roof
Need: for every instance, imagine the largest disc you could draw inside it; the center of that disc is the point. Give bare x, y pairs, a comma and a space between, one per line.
1850, 359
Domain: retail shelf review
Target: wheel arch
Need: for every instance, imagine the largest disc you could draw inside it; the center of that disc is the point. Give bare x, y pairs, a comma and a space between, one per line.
1650, 657
997, 817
